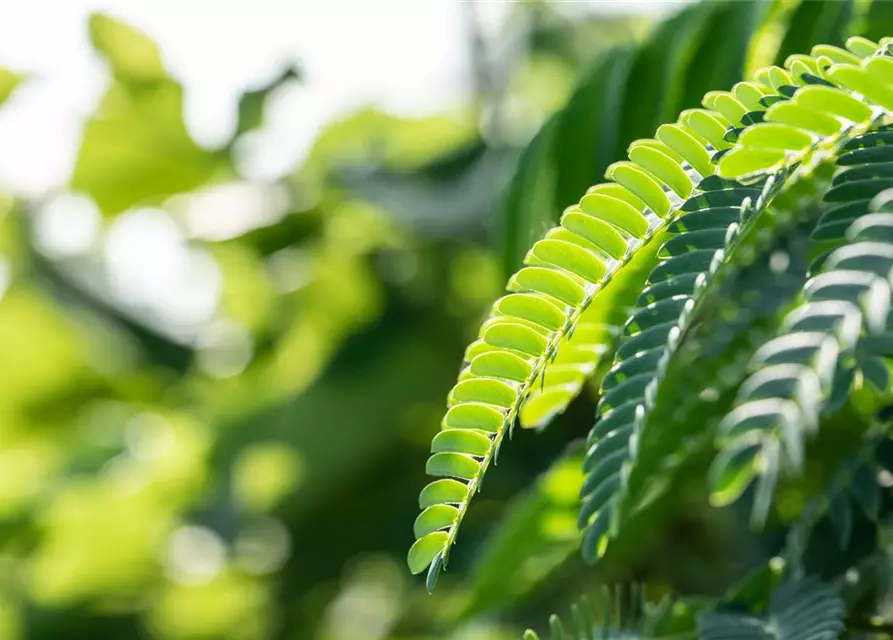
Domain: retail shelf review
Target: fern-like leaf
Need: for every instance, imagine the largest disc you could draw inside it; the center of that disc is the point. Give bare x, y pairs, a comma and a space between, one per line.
575, 267
839, 328
834, 96
651, 334
802, 127
799, 610
621, 614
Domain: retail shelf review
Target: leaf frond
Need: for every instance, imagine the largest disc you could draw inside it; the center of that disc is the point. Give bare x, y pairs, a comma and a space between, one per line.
576, 267
799, 610
837, 331
621, 613
779, 141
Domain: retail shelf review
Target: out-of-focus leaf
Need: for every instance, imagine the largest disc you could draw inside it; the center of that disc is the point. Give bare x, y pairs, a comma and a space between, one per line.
579, 39
74, 295
624, 613
587, 129
46, 363
527, 208
569, 154
657, 75
455, 204
213, 608
817, 22
719, 61
130, 54
155, 346
400, 144
359, 407
251, 104
764, 41
136, 149
8, 83
537, 535
798, 610
879, 20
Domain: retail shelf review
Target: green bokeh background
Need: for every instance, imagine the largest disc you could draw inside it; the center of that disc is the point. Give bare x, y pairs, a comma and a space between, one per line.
257, 478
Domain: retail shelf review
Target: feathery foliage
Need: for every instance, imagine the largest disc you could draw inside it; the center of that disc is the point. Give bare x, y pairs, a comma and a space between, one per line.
733, 282
618, 615
801, 610
520, 344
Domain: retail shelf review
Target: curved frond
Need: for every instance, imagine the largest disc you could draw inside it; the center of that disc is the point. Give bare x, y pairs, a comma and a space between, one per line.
823, 107
574, 271
620, 614
799, 610
651, 335
838, 329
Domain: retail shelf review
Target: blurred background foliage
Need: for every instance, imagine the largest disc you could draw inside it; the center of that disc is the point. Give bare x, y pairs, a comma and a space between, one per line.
217, 393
